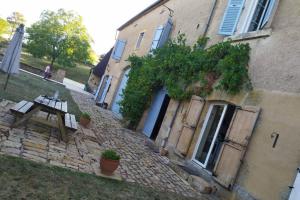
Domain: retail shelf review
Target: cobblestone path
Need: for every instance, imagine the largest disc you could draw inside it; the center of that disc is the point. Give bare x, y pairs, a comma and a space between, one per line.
82, 153
138, 164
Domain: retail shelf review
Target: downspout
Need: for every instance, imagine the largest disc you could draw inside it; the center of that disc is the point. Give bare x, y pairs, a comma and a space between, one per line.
210, 17
165, 141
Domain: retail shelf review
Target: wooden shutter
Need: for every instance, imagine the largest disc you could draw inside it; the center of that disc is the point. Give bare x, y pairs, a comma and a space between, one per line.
104, 93
190, 124
235, 144
231, 17
156, 37
166, 33
119, 49
268, 13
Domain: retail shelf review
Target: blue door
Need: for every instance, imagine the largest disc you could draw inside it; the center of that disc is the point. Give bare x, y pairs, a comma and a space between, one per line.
115, 106
154, 112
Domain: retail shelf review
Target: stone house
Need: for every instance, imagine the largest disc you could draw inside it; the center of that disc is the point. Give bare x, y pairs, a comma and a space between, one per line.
247, 145
97, 72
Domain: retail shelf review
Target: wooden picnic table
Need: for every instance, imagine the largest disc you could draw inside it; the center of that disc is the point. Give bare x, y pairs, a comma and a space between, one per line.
49, 105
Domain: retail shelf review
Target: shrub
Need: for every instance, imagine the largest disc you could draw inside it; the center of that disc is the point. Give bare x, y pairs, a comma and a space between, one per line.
111, 155
86, 115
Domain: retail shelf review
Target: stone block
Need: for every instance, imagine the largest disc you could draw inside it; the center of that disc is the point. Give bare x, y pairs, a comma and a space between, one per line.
34, 158
32, 144
200, 184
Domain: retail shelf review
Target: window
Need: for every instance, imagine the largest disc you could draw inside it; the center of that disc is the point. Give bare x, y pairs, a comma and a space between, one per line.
139, 41
212, 135
223, 140
258, 15
261, 14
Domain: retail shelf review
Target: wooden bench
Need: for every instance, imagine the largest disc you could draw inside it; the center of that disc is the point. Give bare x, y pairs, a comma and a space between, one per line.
70, 122
22, 107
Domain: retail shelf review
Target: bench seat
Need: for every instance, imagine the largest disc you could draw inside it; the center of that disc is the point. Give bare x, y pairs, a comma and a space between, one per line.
70, 122
22, 107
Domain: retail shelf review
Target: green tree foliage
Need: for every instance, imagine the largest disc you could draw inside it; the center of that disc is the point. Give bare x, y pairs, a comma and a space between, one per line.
15, 19
184, 71
60, 36
4, 27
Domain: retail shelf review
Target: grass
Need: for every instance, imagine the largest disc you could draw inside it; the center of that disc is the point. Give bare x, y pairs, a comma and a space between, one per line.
80, 73
27, 87
23, 179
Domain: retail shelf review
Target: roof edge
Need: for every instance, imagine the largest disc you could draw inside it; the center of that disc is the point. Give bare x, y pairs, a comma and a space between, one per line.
142, 13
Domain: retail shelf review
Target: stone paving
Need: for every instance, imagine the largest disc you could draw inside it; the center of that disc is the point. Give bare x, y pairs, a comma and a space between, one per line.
82, 153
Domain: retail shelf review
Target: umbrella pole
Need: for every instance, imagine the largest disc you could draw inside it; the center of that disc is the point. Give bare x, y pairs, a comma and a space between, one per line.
6, 82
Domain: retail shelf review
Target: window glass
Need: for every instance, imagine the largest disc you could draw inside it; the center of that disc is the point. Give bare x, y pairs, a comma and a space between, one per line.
141, 36
258, 15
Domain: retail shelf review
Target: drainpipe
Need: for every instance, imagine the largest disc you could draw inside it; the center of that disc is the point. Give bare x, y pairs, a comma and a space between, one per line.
165, 141
210, 17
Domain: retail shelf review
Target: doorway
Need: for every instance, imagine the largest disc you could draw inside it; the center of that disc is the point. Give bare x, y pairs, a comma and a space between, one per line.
156, 114
212, 135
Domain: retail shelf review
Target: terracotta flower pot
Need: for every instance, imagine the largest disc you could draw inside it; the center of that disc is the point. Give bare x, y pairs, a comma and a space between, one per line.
108, 166
84, 121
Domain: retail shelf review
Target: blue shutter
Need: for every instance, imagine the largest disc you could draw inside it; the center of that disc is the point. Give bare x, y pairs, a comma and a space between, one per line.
118, 50
231, 17
166, 33
268, 13
156, 37
119, 96
154, 112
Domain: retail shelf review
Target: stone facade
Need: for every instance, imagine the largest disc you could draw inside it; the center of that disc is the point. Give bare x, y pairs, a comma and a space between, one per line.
267, 171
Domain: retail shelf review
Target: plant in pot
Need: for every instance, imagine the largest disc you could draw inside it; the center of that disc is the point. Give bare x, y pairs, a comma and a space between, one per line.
85, 119
109, 162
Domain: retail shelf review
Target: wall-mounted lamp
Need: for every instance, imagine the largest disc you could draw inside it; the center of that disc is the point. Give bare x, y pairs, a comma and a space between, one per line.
171, 12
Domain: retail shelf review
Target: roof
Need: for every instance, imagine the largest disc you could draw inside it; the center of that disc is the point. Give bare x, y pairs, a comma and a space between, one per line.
100, 68
144, 12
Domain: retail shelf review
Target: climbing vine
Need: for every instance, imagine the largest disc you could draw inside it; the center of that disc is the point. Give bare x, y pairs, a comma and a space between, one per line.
184, 71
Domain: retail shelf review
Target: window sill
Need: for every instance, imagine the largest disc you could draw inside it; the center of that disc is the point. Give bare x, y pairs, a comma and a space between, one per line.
250, 35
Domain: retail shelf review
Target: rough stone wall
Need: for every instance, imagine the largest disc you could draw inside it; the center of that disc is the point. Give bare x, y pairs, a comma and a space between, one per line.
93, 82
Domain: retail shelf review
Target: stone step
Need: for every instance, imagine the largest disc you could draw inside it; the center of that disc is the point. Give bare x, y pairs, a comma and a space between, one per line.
198, 183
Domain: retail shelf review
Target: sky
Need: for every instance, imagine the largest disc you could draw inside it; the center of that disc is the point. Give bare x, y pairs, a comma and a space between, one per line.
102, 18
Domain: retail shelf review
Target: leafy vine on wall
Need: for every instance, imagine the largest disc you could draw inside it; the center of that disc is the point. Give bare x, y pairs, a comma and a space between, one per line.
184, 71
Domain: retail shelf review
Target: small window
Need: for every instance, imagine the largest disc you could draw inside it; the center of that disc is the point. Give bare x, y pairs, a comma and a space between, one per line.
261, 14
139, 41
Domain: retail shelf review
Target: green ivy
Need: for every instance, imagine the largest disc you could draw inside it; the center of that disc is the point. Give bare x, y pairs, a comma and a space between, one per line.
184, 71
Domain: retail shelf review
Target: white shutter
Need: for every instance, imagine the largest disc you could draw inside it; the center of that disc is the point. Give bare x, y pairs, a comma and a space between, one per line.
231, 17
107, 85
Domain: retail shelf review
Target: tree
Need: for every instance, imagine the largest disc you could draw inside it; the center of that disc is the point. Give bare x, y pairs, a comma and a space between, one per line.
4, 27
59, 36
15, 19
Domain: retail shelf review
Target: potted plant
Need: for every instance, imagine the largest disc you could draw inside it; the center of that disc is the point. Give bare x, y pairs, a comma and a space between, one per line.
109, 162
85, 119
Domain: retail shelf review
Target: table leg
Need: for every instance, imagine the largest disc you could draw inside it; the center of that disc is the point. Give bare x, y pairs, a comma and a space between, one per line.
61, 126
25, 117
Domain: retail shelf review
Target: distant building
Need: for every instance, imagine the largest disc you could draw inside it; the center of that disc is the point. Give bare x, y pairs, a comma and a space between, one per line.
98, 71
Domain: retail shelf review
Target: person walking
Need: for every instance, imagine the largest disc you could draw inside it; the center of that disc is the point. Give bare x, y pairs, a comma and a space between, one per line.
47, 73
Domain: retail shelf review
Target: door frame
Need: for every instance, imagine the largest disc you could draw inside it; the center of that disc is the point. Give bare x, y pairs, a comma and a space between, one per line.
204, 165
